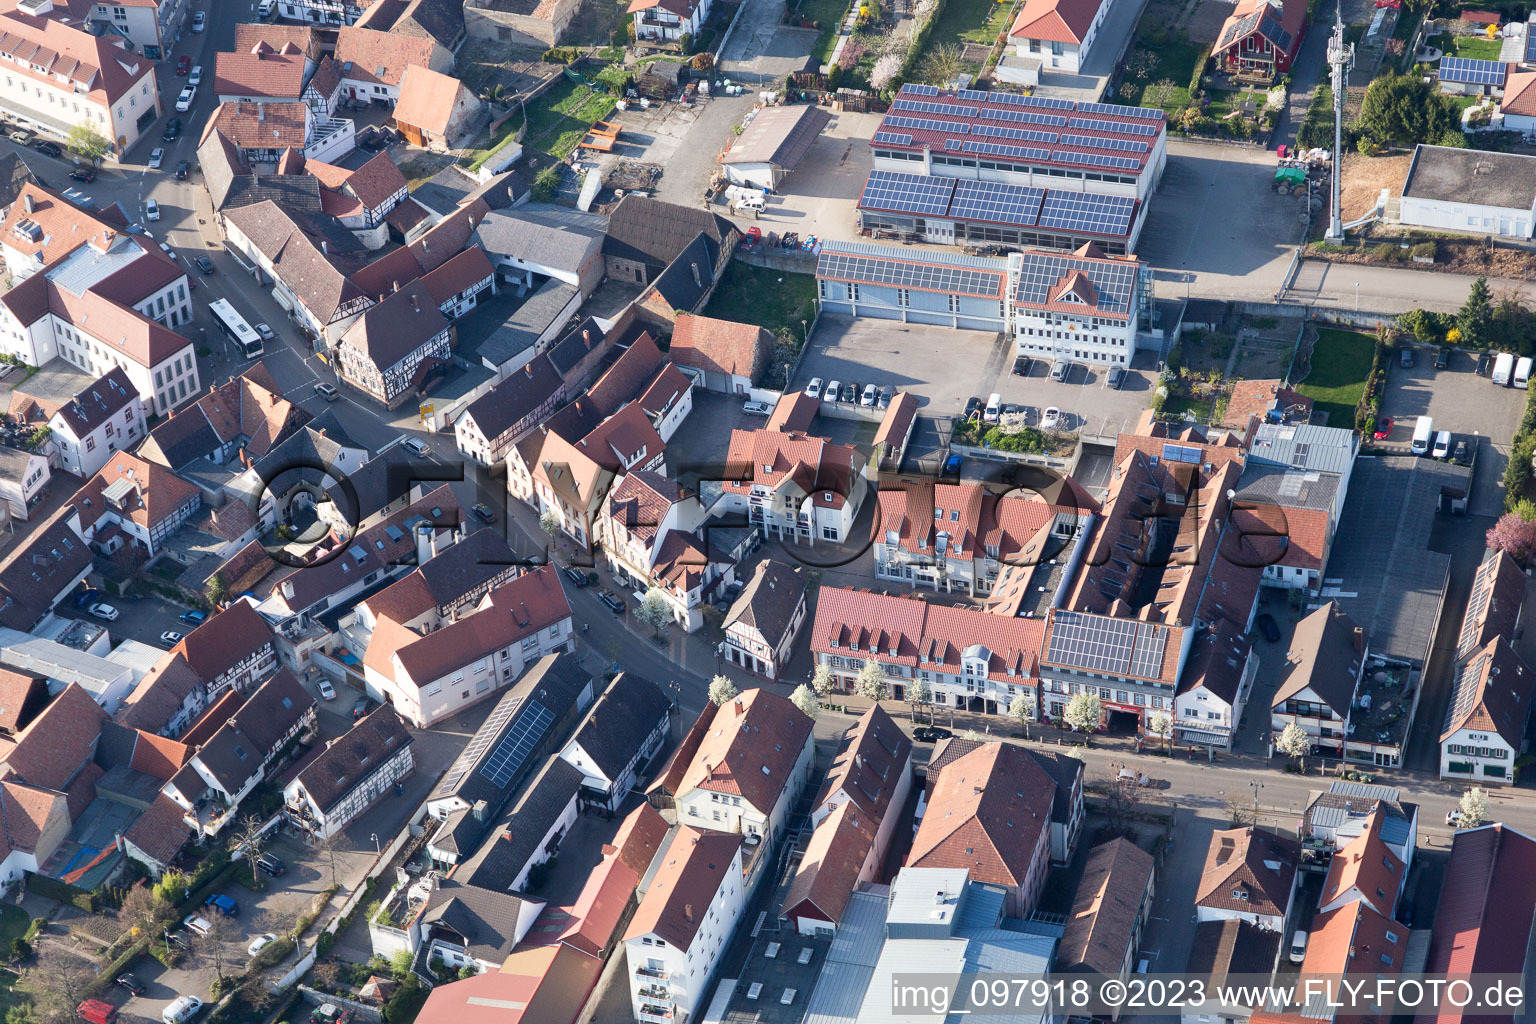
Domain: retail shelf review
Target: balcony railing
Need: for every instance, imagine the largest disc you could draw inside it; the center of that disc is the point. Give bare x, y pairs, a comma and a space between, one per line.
653, 992
651, 1011
653, 972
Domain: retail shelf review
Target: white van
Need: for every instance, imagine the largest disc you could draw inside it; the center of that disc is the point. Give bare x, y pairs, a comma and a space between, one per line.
1423, 435
181, 1009
1503, 368
1298, 951
994, 408
1523, 372
1442, 449
266, 7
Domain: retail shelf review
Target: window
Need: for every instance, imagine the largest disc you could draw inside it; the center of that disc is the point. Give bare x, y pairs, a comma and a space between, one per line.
1191, 713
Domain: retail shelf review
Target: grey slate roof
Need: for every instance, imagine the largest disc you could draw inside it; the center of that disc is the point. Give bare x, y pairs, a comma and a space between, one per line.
502, 857
565, 354
237, 750
374, 485
522, 329
444, 191
770, 600
554, 237
292, 245
688, 278
619, 721
319, 443
515, 398
99, 402
654, 232
14, 173
485, 918
1293, 488
14, 463
391, 330
470, 563
351, 758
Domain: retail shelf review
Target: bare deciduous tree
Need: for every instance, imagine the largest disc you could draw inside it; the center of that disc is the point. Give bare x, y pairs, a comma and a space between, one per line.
56, 984
213, 945
943, 65
247, 841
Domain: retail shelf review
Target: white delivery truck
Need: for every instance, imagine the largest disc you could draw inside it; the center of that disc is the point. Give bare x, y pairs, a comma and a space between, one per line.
1423, 435
1522, 373
1503, 368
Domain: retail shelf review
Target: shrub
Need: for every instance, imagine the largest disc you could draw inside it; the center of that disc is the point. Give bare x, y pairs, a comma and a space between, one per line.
685, 42
274, 953
324, 943
1422, 250
406, 1002
1389, 253
547, 183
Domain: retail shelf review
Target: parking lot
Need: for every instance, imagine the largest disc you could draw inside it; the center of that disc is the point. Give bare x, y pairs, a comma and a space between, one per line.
821, 196
143, 620
945, 368
1467, 405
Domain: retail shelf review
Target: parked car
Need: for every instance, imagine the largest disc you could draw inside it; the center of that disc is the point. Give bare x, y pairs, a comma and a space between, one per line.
84, 174
326, 391
204, 264
183, 66
576, 576
756, 408
813, 389
1298, 953
197, 924
165, 248
871, 396
95, 1011
1115, 380
195, 79
1407, 361
151, 210
834, 390
1022, 366
19, 136
850, 393
47, 148
483, 512
952, 465
1453, 818
223, 904
104, 611
260, 943
1050, 419
972, 406
199, 21
415, 447
131, 982
170, 638
1442, 357
615, 604
327, 691
181, 1009
267, 862
887, 395
87, 598
1060, 369
266, 332
193, 618
183, 169
930, 734
1463, 453
156, 158
1268, 626
185, 99
994, 408
1483, 362
1383, 428
360, 707
172, 130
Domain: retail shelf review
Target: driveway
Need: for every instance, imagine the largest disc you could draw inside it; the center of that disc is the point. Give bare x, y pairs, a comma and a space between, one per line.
761, 48
821, 196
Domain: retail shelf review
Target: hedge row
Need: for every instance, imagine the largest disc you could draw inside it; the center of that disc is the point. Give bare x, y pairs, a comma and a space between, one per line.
1518, 473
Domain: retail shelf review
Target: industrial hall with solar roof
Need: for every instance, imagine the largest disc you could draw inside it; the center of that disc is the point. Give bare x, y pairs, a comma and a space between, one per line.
989, 167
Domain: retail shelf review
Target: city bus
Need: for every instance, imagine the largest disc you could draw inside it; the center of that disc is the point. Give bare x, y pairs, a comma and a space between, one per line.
235, 328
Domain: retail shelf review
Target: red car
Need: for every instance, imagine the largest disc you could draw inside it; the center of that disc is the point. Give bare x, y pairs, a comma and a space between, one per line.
184, 66
1383, 428
754, 236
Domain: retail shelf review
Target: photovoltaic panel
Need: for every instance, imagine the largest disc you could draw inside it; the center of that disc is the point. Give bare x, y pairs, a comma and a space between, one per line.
914, 89
1010, 99
1182, 453
1147, 656
930, 107
1471, 72
1011, 152
1099, 160
974, 95
892, 139
1095, 142
1049, 102
995, 202
513, 750
1087, 212
1035, 117
1088, 124
1094, 643
907, 193
993, 131
1116, 110
924, 124
902, 274
1040, 272
952, 145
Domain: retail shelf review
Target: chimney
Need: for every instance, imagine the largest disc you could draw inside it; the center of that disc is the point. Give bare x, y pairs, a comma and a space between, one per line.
415, 306
261, 112
325, 247
482, 810
245, 460
688, 911
27, 198
394, 286
741, 708
288, 589
423, 543
586, 334
1359, 640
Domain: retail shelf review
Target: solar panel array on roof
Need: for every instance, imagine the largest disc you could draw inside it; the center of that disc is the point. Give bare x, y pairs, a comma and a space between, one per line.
927, 124
907, 193
1099, 160
519, 742
1116, 110
1271, 29
1049, 102
1088, 212
995, 202
999, 149
1098, 643
993, 131
1094, 142
1114, 280
1530, 48
1472, 72
912, 89
892, 139
1182, 453
903, 274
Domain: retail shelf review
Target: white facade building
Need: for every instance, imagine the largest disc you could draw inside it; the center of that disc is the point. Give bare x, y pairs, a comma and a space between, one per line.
1470, 192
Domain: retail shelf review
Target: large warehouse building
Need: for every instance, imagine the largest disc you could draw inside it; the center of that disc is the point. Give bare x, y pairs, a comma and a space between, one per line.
972, 167
1471, 192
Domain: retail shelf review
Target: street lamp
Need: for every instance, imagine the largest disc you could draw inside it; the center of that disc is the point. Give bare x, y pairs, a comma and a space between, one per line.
1357, 296
1255, 785
375, 837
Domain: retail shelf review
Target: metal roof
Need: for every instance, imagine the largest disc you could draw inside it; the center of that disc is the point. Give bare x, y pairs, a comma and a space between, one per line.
1293, 488
1303, 446
860, 931
890, 266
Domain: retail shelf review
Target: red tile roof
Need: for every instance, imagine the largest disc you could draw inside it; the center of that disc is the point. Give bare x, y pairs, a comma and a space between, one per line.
51, 751
224, 640
19, 694
1368, 865
871, 761
830, 867
261, 125
259, 72
159, 694
638, 838
158, 495
987, 814
1354, 940
427, 100
721, 346
693, 868
1252, 398
380, 57
101, 67
459, 274
749, 750
536, 985
1058, 21
1519, 93
1106, 908
158, 756
1256, 862
1487, 905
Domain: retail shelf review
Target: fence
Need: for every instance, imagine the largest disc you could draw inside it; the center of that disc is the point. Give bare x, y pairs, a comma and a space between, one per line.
793, 261
360, 1011
997, 455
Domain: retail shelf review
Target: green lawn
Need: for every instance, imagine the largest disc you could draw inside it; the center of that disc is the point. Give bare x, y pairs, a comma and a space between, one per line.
768, 298
1341, 361
968, 21
1178, 405
13, 924
559, 119
830, 13
1160, 76
1478, 47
